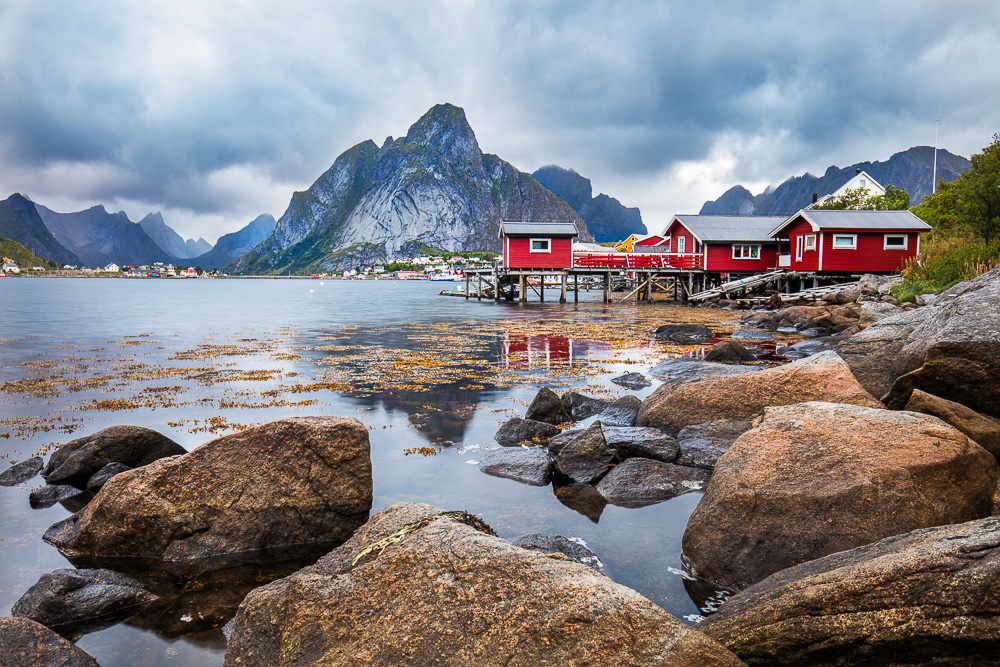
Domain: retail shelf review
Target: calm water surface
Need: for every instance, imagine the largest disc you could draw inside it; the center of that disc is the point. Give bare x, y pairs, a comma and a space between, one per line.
195, 359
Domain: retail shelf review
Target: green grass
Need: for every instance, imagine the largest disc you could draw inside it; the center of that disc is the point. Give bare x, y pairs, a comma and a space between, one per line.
24, 258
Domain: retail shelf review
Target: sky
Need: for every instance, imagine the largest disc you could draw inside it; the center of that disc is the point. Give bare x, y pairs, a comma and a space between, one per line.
215, 112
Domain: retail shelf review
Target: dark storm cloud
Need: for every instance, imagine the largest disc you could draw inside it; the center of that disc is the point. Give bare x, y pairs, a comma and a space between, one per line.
223, 107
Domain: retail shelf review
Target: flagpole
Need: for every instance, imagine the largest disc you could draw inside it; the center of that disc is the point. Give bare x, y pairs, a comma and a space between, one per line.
934, 183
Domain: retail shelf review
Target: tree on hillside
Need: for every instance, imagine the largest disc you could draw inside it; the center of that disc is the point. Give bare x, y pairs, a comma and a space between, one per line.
861, 199
972, 202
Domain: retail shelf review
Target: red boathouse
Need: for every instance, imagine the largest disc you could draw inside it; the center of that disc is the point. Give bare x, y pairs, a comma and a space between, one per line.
537, 245
723, 243
850, 241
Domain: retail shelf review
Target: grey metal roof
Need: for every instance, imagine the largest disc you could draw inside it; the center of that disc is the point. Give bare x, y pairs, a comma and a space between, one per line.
538, 228
721, 228
863, 220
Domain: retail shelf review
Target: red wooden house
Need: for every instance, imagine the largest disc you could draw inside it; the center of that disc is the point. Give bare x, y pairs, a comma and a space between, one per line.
537, 245
723, 243
854, 241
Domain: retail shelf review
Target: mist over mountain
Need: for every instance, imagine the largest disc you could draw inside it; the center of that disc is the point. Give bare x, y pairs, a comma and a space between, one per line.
606, 217
433, 188
21, 222
236, 244
99, 238
911, 170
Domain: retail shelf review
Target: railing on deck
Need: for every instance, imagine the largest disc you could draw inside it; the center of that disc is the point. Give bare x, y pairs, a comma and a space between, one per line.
637, 260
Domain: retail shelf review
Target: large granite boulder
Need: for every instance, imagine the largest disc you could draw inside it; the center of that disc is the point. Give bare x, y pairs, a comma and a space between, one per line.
71, 601
76, 461
950, 348
636, 441
817, 478
640, 482
622, 412
517, 430
303, 480
984, 430
928, 597
587, 457
444, 590
546, 407
821, 377
27, 643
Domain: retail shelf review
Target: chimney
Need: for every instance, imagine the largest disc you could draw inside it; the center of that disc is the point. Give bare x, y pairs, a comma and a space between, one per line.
815, 197
857, 171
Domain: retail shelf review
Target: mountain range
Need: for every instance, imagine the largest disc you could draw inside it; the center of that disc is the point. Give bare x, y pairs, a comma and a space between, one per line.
432, 189
606, 217
911, 170
170, 241
233, 246
20, 221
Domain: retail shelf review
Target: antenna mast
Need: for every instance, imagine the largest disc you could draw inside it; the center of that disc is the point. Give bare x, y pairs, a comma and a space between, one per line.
934, 183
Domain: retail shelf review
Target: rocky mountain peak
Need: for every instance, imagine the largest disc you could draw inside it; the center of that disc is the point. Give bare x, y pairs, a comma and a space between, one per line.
445, 129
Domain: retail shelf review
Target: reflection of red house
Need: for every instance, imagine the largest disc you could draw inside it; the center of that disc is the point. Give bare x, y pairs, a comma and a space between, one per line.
537, 245
863, 241
726, 243
542, 351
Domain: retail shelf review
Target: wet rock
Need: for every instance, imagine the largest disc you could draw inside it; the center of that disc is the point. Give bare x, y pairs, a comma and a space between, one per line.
817, 478
49, 494
548, 543
648, 443
673, 371
451, 593
587, 457
928, 597
683, 333
101, 477
21, 472
529, 466
640, 482
848, 295
302, 480
516, 430
751, 334
559, 441
984, 430
823, 377
77, 461
622, 412
730, 351
579, 406
806, 348
78, 601
701, 445
873, 311
633, 381
581, 498
25, 643
546, 407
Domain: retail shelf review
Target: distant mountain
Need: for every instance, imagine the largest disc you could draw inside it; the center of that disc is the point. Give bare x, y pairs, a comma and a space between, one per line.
99, 238
24, 258
235, 245
911, 170
21, 222
606, 218
170, 241
434, 187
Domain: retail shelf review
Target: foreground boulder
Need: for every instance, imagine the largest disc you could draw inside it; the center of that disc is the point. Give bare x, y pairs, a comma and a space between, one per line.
929, 597
701, 445
76, 461
817, 478
984, 430
531, 465
950, 348
446, 591
71, 601
303, 480
580, 406
730, 351
640, 482
21, 472
622, 412
673, 371
587, 457
822, 377
26, 643
546, 407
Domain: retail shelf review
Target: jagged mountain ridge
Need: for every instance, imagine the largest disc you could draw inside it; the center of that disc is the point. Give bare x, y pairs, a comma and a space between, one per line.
911, 170
170, 241
21, 222
99, 238
434, 187
236, 244
606, 217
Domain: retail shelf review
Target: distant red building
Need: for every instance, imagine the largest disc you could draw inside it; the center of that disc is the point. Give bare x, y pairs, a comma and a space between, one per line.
537, 245
850, 241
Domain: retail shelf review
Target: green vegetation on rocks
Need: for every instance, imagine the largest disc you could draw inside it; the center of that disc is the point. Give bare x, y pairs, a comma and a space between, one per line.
23, 257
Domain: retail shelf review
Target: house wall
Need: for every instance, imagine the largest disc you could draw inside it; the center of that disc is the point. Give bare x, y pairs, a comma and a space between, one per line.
810, 258
691, 247
719, 257
870, 254
518, 255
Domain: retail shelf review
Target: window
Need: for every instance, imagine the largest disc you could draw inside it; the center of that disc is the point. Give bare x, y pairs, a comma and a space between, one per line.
810, 241
845, 241
746, 252
666, 244
895, 242
680, 243
541, 245
798, 248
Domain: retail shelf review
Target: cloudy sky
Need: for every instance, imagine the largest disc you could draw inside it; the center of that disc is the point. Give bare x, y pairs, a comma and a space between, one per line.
215, 112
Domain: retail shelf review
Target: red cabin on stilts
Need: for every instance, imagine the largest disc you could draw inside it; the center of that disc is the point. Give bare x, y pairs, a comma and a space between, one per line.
537, 245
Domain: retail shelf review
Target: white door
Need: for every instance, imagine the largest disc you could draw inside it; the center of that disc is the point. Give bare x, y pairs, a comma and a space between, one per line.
799, 242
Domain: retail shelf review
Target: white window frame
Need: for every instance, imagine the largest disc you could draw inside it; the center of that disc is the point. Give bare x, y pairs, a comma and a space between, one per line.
799, 243
852, 237
809, 242
885, 242
754, 250
547, 242
681, 242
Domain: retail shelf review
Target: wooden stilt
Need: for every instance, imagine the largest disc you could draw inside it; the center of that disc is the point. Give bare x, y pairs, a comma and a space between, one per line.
576, 288
562, 296
523, 296
466, 286
541, 287
479, 287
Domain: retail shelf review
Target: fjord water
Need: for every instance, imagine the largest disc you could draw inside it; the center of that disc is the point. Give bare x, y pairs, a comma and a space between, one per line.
70, 348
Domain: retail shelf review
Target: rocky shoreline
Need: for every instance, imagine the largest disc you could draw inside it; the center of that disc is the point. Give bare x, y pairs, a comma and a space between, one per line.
848, 515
